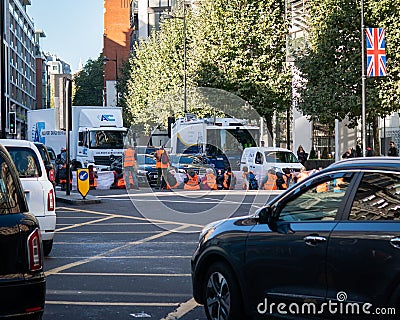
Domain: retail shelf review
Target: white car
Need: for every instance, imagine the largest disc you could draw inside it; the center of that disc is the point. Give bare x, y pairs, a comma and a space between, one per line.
38, 189
261, 159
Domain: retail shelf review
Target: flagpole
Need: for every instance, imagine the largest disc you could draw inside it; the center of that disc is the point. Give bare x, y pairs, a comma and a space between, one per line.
363, 76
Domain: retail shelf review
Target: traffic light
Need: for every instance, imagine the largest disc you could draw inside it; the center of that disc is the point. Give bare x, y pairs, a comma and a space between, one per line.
13, 123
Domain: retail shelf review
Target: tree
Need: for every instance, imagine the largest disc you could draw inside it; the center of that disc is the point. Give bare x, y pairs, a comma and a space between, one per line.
331, 67
89, 83
237, 46
240, 46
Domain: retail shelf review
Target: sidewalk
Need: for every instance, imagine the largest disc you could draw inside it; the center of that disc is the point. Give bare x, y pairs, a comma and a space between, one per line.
75, 198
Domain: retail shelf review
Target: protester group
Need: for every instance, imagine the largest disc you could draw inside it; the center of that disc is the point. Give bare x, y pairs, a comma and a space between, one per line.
275, 179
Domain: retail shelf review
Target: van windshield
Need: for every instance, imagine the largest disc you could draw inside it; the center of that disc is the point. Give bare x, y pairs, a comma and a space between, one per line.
280, 157
104, 139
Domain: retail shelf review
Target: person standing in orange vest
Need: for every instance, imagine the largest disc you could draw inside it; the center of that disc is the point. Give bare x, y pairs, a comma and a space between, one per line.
158, 155
164, 168
192, 181
129, 164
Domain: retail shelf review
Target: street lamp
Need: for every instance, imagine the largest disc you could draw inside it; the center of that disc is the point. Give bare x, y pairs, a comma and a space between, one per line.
105, 60
170, 16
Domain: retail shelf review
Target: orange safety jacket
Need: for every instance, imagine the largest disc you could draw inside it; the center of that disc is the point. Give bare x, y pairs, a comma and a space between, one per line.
226, 179
158, 157
164, 165
211, 181
323, 187
270, 184
129, 158
192, 183
302, 175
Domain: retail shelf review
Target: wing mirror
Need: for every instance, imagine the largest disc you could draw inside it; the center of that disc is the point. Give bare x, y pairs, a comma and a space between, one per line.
265, 215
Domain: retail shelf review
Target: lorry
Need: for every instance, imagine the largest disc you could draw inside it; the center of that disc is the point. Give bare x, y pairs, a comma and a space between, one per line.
220, 140
96, 136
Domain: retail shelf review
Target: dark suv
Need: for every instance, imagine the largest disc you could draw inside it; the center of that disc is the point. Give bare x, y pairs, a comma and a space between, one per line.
328, 247
22, 281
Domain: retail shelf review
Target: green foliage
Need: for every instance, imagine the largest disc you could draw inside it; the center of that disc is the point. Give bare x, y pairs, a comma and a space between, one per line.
331, 68
89, 83
237, 46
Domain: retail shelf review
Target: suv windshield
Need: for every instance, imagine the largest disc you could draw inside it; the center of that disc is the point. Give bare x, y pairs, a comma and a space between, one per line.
280, 157
25, 160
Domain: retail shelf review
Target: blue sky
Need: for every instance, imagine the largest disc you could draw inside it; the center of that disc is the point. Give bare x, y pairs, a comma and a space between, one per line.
73, 28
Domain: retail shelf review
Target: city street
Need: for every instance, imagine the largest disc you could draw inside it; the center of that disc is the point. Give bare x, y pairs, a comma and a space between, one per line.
129, 256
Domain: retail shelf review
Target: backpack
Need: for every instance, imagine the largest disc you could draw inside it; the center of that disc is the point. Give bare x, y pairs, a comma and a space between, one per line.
164, 158
253, 184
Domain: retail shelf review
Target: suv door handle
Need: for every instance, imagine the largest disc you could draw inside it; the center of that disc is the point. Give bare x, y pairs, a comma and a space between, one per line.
395, 242
314, 240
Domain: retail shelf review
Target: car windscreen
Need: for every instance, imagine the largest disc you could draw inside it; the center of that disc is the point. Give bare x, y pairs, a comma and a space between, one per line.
143, 159
104, 139
26, 161
182, 160
280, 157
44, 154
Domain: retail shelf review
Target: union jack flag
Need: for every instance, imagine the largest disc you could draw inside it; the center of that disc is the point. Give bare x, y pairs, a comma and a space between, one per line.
376, 53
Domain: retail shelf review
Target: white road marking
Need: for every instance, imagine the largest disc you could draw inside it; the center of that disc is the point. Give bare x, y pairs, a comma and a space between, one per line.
183, 309
113, 304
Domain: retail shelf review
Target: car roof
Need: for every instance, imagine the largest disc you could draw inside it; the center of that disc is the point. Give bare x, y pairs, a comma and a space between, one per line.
263, 149
17, 143
383, 163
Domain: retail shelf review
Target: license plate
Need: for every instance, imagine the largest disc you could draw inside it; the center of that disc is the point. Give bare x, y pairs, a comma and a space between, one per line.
156, 176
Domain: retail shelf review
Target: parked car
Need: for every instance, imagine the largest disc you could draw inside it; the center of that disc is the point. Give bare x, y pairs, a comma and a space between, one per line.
38, 189
261, 159
44, 153
53, 155
22, 280
146, 171
332, 238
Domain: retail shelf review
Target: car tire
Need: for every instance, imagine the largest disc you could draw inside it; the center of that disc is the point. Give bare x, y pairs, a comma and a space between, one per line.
47, 246
222, 300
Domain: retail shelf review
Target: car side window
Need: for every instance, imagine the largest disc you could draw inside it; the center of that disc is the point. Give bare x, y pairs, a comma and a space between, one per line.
8, 193
259, 158
319, 201
377, 197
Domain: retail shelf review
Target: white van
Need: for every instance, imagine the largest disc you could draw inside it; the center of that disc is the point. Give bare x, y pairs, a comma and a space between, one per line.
261, 159
38, 189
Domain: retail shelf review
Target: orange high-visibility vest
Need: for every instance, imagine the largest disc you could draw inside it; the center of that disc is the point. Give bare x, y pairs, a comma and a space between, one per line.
192, 183
211, 181
158, 157
302, 176
129, 158
270, 184
226, 179
323, 187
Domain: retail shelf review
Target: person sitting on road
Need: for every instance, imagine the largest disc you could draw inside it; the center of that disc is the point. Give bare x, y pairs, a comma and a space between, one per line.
269, 182
209, 181
170, 180
249, 179
192, 181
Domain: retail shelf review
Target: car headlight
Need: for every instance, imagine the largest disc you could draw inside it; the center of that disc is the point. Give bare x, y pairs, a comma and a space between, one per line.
208, 229
142, 172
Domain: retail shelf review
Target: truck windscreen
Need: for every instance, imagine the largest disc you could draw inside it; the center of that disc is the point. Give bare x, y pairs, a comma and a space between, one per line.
104, 139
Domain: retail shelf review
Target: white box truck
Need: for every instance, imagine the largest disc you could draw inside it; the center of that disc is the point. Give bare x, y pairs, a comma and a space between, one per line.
96, 137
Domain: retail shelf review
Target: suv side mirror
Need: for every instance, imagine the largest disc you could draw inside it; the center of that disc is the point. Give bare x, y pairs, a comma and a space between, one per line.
265, 215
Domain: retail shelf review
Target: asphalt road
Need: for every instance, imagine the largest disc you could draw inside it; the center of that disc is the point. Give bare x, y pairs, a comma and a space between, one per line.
128, 257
